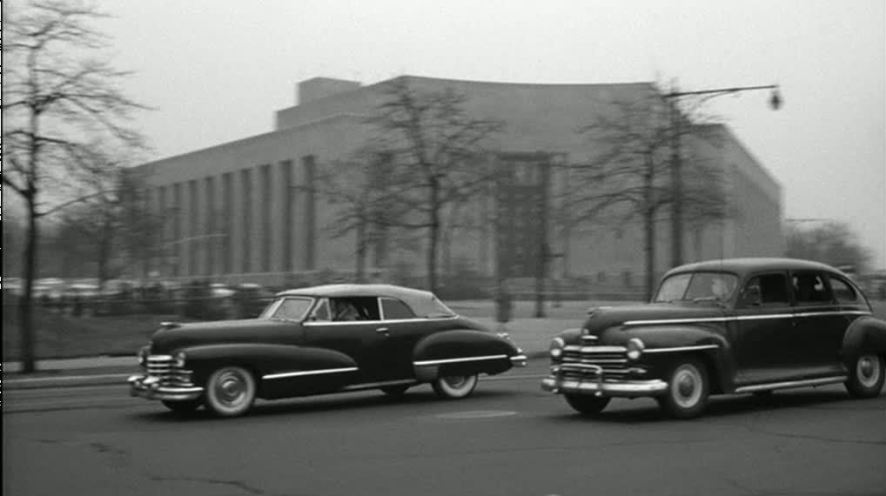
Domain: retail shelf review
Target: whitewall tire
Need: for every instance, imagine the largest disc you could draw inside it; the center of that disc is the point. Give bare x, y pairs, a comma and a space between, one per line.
230, 391
688, 388
455, 387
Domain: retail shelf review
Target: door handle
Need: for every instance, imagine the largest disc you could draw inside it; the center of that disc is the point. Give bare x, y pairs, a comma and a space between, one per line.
383, 330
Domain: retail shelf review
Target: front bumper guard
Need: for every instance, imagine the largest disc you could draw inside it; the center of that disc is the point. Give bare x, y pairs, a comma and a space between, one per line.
149, 387
598, 387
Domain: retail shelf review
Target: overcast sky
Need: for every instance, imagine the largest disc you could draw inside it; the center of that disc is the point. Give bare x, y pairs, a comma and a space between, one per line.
215, 70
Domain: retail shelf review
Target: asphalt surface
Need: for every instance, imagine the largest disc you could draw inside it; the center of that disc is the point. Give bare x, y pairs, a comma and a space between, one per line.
509, 438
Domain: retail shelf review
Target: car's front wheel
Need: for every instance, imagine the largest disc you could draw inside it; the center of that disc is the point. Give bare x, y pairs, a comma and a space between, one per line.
186, 406
587, 405
455, 386
687, 394
230, 391
866, 376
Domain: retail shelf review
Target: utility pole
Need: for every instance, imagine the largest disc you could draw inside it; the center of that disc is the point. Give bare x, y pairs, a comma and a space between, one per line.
676, 122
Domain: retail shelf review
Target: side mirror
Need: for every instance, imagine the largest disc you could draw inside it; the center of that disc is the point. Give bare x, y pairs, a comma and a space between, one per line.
752, 296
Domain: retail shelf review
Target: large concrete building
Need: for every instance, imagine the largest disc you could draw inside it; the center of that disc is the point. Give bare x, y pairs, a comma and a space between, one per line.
246, 210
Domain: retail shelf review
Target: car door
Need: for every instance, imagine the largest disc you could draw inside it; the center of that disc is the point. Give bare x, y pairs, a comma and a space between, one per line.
820, 323
763, 329
404, 331
361, 335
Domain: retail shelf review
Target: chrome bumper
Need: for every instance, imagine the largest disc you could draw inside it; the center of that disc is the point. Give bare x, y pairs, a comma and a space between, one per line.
625, 389
518, 360
148, 387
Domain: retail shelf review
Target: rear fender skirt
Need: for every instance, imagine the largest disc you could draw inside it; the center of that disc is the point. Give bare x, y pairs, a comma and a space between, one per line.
462, 352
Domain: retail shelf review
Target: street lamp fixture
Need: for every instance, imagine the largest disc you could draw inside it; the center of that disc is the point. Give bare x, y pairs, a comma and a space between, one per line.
775, 101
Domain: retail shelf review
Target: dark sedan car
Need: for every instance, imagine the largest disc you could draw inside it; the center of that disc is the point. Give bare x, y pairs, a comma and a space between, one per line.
323, 339
721, 327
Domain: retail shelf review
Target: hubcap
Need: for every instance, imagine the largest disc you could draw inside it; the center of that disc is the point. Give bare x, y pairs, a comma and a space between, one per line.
868, 370
230, 388
455, 382
687, 386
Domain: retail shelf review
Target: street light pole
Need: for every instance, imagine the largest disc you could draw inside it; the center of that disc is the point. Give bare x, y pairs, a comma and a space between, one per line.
775, 101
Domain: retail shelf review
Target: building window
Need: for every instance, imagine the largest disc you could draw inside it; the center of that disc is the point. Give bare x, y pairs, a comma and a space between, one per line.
310, 169
286, 228
266, 195
193, 223
246, 216
177, 213
228, 220
210, 216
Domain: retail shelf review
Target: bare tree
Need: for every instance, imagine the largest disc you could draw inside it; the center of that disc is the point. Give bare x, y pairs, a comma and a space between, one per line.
59, 99
627, 172
435, 149
830, 242
364, 202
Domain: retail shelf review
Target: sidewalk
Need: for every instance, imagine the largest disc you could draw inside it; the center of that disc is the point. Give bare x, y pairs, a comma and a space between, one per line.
532, 335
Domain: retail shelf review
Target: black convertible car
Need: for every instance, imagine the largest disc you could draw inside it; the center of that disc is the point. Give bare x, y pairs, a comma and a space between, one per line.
322, 339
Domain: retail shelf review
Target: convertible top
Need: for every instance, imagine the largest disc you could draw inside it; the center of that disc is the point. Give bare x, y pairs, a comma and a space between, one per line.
423, 303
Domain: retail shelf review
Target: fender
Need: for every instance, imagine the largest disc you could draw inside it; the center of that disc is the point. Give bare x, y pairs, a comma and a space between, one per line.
281, 361
865, 334
664, 343
461, 352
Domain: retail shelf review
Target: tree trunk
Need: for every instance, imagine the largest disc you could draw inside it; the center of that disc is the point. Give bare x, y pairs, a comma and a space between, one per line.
25, 304
433, 239
649, 227
361, 251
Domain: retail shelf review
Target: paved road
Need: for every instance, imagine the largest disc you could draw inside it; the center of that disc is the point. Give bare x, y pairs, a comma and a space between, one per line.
508, 439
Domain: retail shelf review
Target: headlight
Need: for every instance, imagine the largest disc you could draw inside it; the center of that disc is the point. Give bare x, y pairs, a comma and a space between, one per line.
635, 348
556, 348
179, 359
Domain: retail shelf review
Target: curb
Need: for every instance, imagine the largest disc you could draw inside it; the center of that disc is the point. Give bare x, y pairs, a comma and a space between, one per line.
66, 381
69, 378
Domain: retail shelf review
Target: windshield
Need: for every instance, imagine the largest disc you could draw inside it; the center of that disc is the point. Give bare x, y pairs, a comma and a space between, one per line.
697, 286
288, 308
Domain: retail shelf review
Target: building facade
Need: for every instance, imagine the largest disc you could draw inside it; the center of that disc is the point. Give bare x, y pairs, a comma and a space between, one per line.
249, 211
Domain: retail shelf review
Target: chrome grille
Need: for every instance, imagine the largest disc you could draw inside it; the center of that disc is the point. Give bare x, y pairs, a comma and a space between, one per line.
163, 366
581, 361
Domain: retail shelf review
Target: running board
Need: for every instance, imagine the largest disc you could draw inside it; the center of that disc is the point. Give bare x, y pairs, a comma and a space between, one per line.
792, 384
377, 385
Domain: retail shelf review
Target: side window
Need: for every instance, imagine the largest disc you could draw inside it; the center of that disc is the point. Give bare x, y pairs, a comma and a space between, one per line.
354, 309
395, 309
843, 291
767, 289
809, 288
321, 312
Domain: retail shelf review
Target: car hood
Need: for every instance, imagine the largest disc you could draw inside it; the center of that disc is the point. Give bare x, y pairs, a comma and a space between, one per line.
608, 323
175, 336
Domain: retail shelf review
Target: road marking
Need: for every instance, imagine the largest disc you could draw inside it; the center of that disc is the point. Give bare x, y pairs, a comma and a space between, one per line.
476, 414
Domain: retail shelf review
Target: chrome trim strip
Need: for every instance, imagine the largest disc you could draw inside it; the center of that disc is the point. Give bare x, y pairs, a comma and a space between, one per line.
622, 388
595, 349
301, 373
682, 348
792, 384
518, 360
744, 317
425, 363
312, 323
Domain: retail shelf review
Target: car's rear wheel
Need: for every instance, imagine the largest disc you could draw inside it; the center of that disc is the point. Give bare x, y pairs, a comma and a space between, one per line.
587, 405
455, 386
866, 376
186, 406
395, 391
230, 391
687, 394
